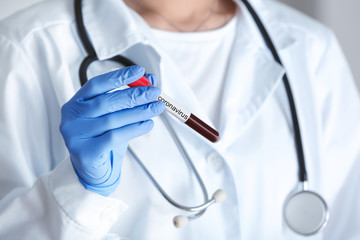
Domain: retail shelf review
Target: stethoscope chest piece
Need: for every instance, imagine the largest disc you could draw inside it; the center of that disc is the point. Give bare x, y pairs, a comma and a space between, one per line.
306, 212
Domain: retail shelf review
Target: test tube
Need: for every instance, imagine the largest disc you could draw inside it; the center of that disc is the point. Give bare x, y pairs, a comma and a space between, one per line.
182, 114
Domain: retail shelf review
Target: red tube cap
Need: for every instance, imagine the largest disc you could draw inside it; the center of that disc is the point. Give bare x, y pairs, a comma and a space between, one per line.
141, 82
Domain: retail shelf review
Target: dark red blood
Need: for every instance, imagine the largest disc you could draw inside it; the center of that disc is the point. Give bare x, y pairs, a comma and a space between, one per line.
205, 130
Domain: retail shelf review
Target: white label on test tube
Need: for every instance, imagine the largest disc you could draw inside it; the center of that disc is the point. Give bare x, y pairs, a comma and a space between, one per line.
174, 108
182, 114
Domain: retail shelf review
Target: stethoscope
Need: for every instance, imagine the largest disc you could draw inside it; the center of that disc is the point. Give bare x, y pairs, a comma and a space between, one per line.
305, 212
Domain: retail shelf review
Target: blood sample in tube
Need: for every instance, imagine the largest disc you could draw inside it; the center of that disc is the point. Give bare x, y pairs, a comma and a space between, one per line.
182, 114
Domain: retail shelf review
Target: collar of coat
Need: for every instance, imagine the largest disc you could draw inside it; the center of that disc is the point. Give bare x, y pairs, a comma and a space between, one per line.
119, 28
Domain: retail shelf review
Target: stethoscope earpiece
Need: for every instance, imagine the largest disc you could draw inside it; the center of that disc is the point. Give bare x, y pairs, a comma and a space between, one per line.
219, 196
181, 220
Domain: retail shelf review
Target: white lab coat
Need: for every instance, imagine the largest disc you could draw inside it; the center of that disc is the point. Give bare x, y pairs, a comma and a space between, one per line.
255, 161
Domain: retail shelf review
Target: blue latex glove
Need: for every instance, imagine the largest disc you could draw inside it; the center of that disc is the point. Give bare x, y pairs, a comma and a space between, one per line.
97, 125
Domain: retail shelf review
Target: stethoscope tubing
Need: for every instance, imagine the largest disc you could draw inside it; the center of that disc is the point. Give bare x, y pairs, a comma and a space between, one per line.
180, 147
127, 62
164, 194
269, 43
199, 209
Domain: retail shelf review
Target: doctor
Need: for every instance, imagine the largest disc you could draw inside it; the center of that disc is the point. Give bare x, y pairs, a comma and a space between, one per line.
82, 183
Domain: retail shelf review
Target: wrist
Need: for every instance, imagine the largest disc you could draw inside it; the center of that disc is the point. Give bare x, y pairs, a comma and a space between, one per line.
103, 185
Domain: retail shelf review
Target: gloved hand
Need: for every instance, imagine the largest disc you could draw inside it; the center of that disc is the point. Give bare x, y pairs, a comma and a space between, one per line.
97, 125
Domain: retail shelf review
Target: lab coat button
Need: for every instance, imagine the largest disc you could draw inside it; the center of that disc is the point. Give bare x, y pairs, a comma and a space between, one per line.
215, 161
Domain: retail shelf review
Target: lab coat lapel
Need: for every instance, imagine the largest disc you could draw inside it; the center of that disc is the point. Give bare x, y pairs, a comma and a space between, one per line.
252, 78
252, 75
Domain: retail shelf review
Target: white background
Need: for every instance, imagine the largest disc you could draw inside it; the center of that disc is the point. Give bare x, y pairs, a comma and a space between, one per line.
340, 15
